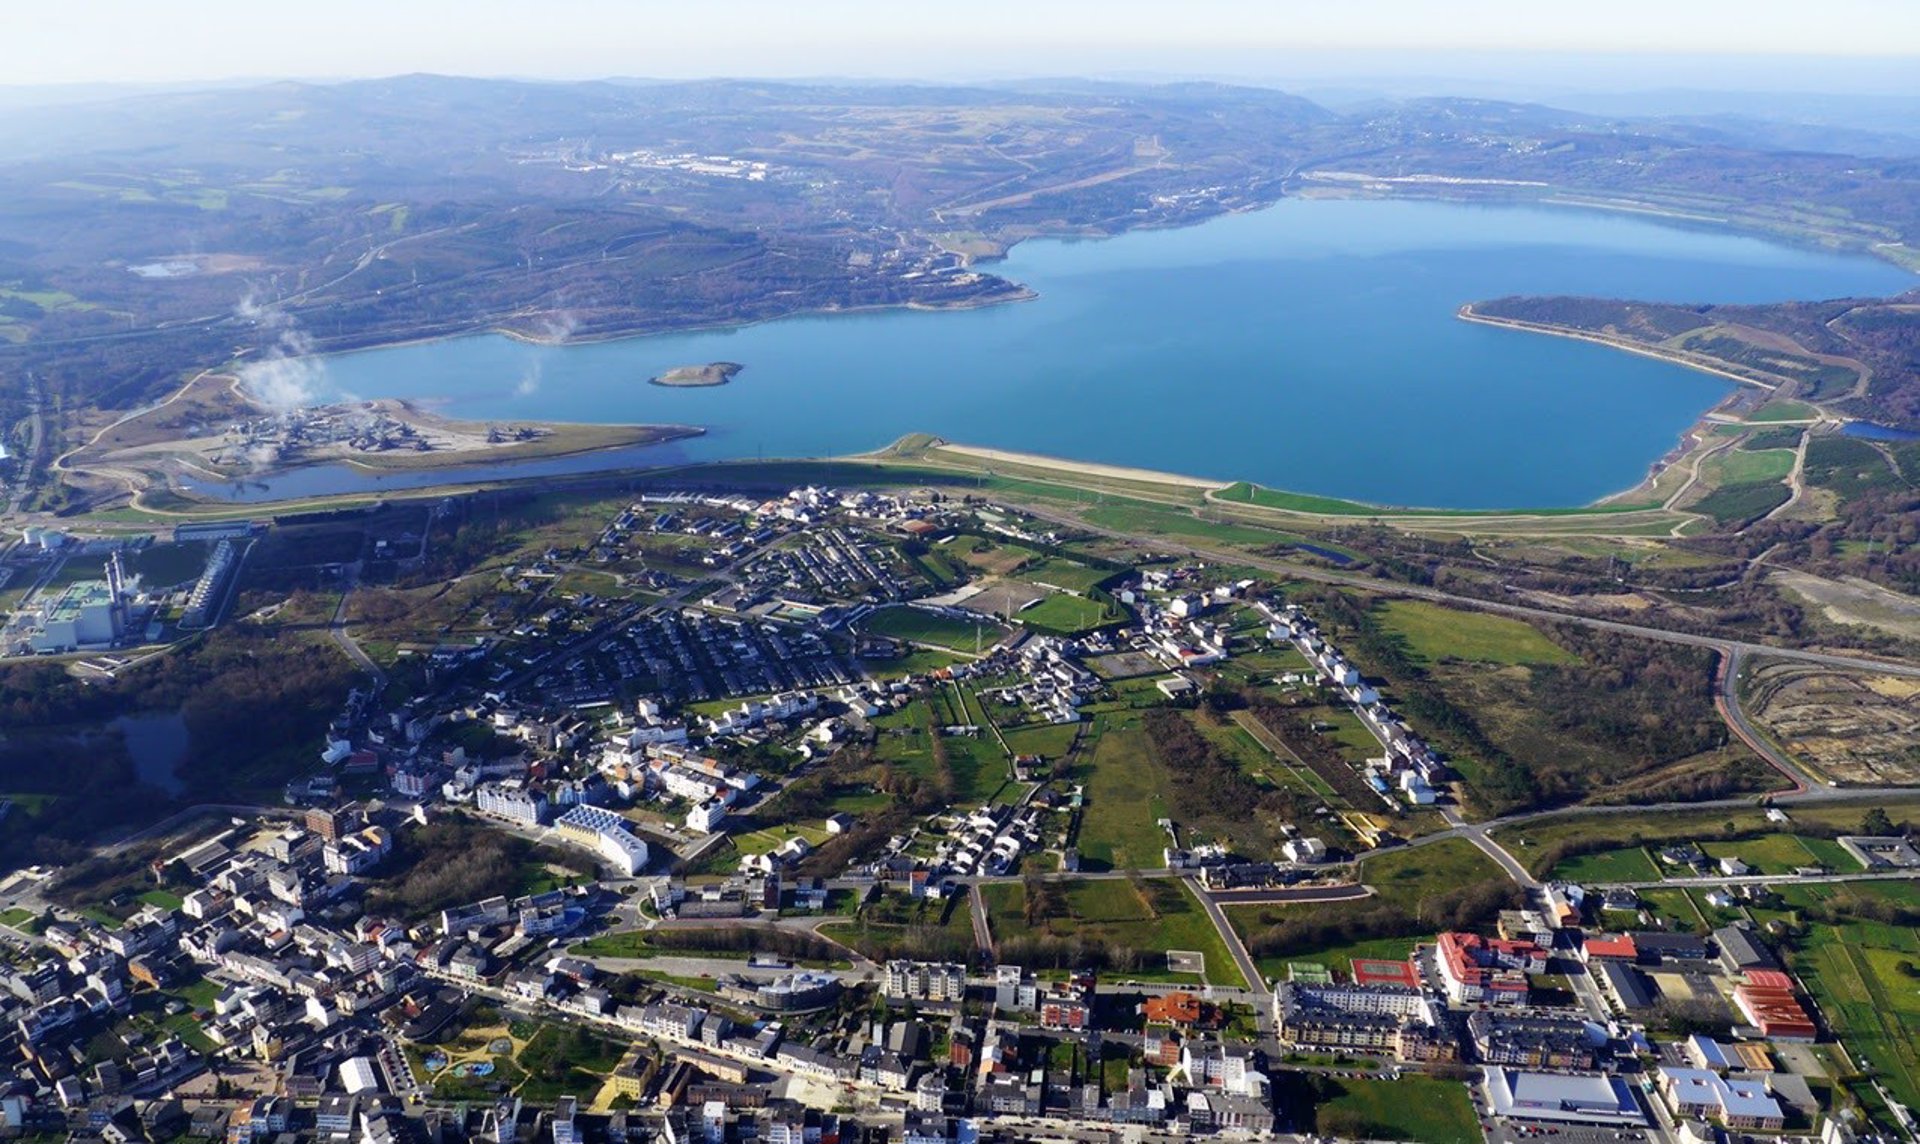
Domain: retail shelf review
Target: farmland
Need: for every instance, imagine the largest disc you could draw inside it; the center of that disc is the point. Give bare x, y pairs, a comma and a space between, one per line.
1853, 969
1150, 915
1125, 793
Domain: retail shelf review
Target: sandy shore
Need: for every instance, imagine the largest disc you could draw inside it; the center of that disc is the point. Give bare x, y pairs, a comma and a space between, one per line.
1083, 468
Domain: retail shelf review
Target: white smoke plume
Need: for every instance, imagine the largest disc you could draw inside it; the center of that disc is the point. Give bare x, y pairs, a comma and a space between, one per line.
555, 329
530, 378
288, 375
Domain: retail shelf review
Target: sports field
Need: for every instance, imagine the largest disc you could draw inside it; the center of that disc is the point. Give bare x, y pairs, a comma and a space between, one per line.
920, 626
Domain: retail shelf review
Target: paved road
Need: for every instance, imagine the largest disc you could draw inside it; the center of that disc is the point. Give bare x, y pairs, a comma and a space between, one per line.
1238, 950
1347, 892
1526, 611
977, 910
1726, 699
337, 628
1476, 833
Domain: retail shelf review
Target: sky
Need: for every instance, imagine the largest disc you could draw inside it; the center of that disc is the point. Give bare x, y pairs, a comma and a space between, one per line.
1626, 42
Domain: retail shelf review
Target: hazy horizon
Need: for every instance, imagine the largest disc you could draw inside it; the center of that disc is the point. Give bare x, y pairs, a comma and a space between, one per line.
1849, 46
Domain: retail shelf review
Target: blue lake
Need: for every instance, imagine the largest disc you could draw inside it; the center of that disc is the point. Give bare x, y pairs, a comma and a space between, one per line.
1309, 346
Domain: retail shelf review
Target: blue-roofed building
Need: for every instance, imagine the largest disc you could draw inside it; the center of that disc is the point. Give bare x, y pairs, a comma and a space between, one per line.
1561, 1098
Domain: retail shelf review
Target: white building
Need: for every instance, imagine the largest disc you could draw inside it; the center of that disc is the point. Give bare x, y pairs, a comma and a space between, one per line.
512, 801
606, 834
706, 817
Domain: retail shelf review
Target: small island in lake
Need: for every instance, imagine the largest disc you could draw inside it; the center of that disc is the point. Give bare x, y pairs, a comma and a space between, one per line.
686, 376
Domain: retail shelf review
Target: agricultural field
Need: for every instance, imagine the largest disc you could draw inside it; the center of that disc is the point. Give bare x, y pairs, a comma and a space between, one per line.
1736, 504
1433, 633
920, 626
1148, 914
976, 763
1855, 972
1125, 788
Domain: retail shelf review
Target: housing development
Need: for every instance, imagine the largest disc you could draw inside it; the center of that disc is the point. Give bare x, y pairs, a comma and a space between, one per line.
846, 814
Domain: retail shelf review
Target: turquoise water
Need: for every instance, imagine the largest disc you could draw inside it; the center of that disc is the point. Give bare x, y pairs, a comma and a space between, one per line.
1309, 346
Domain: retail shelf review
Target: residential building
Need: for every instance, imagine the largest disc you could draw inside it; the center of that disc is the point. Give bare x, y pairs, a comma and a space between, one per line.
511, 800
1735, 1103
924, 980
1490, 971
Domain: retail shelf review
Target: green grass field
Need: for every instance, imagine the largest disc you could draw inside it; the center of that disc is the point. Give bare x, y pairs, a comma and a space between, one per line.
917, 625
1049, 742
1338, 958
1181, 523
1428, 1110
1783, 411
1741, 466
1125, 794
1627, 864
1161, 915
1774, 854
1407, 874
1067, 614
1433, 633
1853, 973
1675, 906
1067, 575
1244, 493
768, 840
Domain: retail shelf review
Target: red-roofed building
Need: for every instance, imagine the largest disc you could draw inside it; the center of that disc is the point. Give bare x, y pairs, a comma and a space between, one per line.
1772, 1008
1609, 947
1480, 970
1369, 971
1182, 1009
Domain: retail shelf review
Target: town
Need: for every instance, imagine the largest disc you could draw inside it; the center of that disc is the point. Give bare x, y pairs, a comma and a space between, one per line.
817, 816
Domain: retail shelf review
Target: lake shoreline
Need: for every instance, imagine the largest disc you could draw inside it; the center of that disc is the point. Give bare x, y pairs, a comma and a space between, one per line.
1103, 375
1467, 313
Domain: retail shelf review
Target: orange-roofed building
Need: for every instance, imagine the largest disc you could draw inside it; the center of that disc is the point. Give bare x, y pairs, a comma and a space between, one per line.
1182, 1009
1773, 1009
1479, 970
1609, 947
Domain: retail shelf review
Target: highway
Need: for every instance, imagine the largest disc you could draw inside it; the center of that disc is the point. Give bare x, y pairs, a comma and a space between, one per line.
1525, 611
